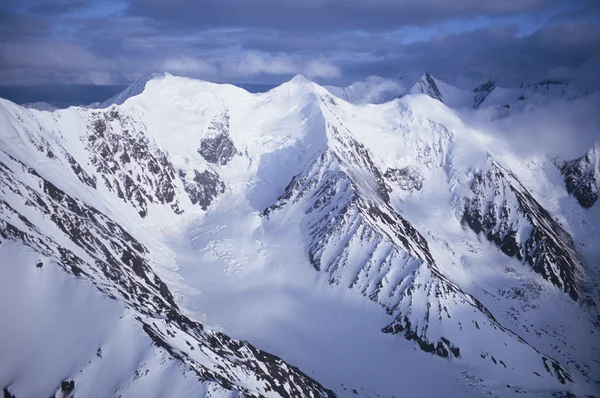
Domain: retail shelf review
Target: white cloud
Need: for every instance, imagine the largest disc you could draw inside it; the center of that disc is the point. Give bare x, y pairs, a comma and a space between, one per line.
98, 77
188, 66
321, 68
254, 63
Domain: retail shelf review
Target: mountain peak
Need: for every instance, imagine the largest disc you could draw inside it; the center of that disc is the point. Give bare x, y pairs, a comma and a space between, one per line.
135, 88
300, 80
427, 85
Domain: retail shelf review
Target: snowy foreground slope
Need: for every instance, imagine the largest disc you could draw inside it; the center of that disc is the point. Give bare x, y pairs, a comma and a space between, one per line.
193, 239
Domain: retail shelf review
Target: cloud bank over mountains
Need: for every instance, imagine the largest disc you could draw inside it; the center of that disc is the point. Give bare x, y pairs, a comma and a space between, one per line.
267, 41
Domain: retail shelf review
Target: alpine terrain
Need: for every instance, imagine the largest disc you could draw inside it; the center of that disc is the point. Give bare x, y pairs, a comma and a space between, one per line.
393, 238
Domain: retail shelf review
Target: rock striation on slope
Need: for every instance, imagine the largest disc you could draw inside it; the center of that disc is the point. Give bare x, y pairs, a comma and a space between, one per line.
582, 177
355, 236
507, 214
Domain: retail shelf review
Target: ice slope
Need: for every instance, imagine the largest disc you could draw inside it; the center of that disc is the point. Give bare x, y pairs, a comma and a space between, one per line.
160, 201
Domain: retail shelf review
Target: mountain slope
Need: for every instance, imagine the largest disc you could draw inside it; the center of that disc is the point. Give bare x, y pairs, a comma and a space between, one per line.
361, 242
582, 177
102, 251
521, 227
206, 212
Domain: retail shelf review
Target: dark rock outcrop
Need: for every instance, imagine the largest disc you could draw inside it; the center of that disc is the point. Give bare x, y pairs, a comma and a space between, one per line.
506, 213
217, 147
582, 177
407, 178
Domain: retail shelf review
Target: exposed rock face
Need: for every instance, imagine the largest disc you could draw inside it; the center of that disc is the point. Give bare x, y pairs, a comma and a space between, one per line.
203, 187
102, 251
218, 148
582, 177
481, 92
427, 85
129, 165
553, 88
504, 211
407, 178
104, 201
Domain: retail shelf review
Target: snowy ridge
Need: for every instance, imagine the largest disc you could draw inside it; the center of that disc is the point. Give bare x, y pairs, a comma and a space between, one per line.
361, 242
135, 88
482, 92
195, 204
443, 92
378, 90
507, 214
552, 88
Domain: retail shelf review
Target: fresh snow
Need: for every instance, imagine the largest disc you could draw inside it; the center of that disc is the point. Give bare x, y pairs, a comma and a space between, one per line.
302, 151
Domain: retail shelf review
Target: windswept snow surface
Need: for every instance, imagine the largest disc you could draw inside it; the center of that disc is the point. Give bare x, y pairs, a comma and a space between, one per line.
403, 248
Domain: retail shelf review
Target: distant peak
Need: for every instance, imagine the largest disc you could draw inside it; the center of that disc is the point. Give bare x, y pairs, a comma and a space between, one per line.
427, 85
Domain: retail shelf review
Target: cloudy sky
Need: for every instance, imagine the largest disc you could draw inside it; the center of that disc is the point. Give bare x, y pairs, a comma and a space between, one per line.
268, 41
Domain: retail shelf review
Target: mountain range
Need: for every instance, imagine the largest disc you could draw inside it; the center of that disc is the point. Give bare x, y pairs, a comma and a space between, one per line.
390, 238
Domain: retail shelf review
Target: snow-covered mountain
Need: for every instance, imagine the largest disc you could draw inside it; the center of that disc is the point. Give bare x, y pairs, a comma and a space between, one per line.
377, 90
192, 239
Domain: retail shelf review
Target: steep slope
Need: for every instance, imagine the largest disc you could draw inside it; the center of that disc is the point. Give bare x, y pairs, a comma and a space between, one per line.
357, 238
108, 351
482, 92
87, 243
443, 92
507, 214
582, 177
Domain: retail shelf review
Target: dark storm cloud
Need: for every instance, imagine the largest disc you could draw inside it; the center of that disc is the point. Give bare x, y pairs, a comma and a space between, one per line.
57, 7
557, 51
324, 15
335, 41
18, 26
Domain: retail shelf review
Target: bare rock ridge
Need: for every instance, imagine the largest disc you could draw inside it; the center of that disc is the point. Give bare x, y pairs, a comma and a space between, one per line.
521, 227
582, 177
